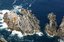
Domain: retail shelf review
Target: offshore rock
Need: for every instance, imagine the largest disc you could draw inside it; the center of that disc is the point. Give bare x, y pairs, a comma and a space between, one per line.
51, 27
53, 30
22, 21
60, 31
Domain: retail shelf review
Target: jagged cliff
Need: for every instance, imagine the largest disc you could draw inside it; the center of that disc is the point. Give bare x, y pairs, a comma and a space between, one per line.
60, 31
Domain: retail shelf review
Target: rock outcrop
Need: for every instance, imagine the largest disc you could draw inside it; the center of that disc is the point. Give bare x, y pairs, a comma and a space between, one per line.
23, 21
60, 31
51, 27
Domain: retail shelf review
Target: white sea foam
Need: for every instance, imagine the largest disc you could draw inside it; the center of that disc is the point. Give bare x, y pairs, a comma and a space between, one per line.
18, 33
1, 16
17, 8
60, 40
50, 35
8, 30
4, 26
4, 11
39, 33
1, 20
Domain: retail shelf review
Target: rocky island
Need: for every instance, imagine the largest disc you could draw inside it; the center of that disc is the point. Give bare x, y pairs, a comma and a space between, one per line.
20, 21
52, 29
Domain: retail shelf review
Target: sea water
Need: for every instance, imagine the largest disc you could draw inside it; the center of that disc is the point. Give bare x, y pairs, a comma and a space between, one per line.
40, 8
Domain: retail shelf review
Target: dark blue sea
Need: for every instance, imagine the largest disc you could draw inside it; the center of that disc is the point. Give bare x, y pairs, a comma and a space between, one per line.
40, 8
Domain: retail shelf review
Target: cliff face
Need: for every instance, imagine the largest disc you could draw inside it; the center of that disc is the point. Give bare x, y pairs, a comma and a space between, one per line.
23, 21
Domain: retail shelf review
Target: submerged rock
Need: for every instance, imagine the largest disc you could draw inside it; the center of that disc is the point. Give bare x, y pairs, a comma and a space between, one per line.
60, 31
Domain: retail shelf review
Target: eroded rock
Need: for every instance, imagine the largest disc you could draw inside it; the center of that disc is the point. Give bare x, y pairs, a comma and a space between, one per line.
23, 21
60, 31
51, 27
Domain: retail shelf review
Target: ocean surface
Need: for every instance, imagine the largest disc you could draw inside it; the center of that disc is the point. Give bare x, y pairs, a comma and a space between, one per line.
40, 8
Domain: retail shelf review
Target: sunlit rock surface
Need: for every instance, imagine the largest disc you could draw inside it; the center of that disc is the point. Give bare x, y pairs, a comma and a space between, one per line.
21, 20
51, 27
